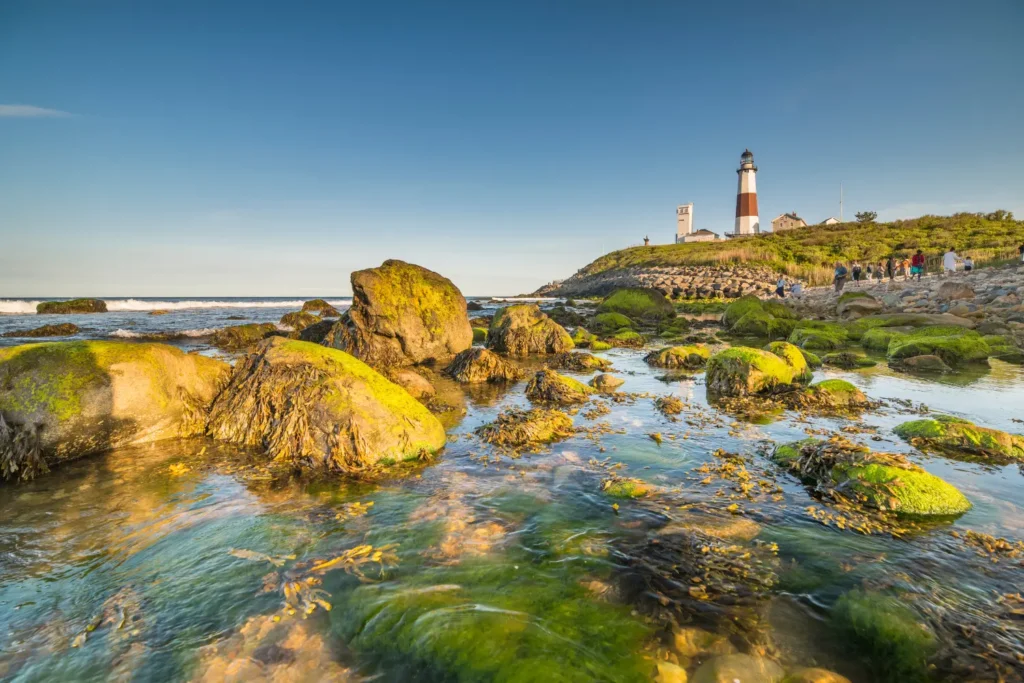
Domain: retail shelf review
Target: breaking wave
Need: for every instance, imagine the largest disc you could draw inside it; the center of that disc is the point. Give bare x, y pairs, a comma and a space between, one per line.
177, 334
16, 306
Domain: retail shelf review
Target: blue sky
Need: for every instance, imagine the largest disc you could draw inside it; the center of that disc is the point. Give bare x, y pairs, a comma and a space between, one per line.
215, 148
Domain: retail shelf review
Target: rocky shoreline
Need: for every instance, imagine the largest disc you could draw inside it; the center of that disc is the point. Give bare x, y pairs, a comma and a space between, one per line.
681, 282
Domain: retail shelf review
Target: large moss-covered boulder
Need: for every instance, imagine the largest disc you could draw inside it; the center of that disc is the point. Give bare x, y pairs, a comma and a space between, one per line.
639, 304
892, 639
794, 358
60, 330
817, 335
689, 357
241, 337
830, 396
883, 481
63, 400
299, 320
582, 338
550, 387
522, 329
956, 346
320, 308
477, 365
610, 323
72, 306
856, 329
741, 370
318, 408
946, 433
402, 314
739, 308
749, 316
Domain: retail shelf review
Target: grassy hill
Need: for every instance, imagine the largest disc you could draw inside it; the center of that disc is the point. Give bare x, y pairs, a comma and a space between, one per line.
811, 253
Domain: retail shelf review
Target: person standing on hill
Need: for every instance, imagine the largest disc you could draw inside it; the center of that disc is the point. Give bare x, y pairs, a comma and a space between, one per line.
856, 271
890, 268
949, 260
840, 276
917, 265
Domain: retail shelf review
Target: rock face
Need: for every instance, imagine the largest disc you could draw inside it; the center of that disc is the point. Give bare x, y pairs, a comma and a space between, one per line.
549, 386
638, 304
946, 433
320, 308
240, 337
883, 481
523, 329
741, 371
477, 365
72, 306
63, 400
402, 314
688, 357
61, 330
416, 384
321, 409
299, 320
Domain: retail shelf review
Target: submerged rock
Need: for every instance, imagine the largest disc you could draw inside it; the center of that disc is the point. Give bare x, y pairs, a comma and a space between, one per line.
523, 329
63, 400
740, 371
883, 481
625, 487
606, 383
925, 363
688, 357
629, 339
549, 386
516, 428
848, 360
320, 308
299, 320
476, 365
738, 667
948, 433
320, 408
578, 362
402, 314
241, 337
639, 304
72, 306
61, 330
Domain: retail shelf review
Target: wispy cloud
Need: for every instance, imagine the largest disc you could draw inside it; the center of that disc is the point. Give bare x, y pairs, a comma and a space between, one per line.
28, 111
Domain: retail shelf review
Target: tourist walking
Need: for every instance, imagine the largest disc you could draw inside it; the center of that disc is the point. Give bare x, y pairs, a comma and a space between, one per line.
949, 260
879, 271
968, 264
856, 271
905, 267
890, 268
780, 288
917, 265
840, 276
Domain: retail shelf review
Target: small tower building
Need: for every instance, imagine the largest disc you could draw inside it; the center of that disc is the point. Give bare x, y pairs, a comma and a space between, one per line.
746, 197
684, 222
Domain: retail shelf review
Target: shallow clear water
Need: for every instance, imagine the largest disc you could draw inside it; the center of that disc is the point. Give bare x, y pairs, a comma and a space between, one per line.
120, 567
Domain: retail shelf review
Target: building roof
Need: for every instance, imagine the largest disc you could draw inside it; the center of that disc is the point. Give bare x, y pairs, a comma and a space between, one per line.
704, 231
790, 215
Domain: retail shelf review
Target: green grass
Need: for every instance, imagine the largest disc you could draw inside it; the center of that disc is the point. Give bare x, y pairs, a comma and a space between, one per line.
810, 253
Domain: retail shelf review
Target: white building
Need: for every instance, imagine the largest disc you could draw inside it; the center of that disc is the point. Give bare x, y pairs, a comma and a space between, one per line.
831, 220
684, 227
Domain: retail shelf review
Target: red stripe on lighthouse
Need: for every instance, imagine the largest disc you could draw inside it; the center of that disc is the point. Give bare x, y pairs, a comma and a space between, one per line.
746, 204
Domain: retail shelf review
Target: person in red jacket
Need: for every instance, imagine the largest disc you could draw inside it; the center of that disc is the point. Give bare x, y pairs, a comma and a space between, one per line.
917, 264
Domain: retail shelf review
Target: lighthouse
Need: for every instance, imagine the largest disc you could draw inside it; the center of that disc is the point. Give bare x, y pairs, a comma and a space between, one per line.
746, 197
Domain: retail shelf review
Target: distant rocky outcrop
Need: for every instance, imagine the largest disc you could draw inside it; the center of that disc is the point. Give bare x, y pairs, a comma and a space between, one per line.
680, 282
402, 314
241, 337
61, 330
72, 306
63, 400
299, 320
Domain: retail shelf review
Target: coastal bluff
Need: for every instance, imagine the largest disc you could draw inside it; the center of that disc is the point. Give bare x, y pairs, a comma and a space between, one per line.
677, 282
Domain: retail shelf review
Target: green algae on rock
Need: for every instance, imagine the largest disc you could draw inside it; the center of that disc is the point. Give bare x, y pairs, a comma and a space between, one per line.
946, 433
674, 327
609, 323
320, 308
479, 334
523, 329
817, 335
582, 339
882, 481
741, 370
60, 330
241, 337
794, 358
625, 487
750, 316
549, 386
63, 400
954, 345
599, 345
892, 639
299, 320
848, 360
835, 394
317, 408
639, 304
476, 365
402, 314
516, 428
690, 357
71, 306
630, 339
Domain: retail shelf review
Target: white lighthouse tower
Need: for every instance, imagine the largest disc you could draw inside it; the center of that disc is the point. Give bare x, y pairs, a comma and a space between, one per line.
746, 197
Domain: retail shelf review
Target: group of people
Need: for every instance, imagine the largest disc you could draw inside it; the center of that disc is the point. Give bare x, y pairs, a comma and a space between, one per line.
907, 268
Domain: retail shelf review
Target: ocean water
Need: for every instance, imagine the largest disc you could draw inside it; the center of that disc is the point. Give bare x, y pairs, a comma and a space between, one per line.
175, 561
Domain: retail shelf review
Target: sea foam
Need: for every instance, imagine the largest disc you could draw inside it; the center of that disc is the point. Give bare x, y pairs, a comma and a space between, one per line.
22, 306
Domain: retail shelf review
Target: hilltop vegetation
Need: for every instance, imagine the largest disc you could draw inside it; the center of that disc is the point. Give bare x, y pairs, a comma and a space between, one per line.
810, 253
